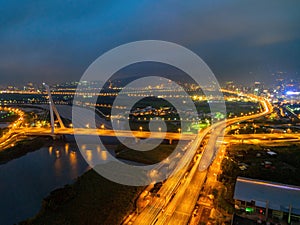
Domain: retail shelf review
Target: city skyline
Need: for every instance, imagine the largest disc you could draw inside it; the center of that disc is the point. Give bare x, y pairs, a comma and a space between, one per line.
150, 112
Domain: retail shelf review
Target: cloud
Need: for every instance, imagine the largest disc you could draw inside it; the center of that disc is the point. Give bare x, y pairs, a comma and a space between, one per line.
61, 38
271, 39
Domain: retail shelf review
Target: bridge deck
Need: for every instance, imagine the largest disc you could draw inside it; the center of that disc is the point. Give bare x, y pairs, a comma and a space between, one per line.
104, 132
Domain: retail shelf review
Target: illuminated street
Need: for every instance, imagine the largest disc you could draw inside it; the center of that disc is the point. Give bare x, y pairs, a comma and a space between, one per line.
150, 112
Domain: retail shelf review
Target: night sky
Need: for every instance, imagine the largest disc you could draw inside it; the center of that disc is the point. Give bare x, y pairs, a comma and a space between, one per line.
55, 41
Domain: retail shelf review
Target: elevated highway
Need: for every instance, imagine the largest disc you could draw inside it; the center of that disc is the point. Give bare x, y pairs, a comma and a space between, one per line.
174, 204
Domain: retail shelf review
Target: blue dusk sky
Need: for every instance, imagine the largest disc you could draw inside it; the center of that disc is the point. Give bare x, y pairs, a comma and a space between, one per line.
55, 41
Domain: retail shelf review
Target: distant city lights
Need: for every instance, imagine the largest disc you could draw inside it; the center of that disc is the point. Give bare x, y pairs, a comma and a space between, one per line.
292, 93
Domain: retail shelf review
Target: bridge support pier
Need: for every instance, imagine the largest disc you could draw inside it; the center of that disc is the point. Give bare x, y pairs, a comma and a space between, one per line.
170, 141
53, 110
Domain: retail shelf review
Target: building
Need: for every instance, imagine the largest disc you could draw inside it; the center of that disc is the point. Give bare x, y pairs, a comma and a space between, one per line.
273, 200
258, 88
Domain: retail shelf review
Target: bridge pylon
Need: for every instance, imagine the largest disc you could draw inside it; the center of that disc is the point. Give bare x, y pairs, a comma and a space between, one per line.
53, 110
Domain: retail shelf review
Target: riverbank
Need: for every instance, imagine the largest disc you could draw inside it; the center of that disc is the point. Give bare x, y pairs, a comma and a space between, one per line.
153, 156
22, 148
91, 200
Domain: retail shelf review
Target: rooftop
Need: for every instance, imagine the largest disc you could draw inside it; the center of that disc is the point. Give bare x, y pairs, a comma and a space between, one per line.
278, 196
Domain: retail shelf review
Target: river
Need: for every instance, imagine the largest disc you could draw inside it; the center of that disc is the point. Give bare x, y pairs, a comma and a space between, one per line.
25, 181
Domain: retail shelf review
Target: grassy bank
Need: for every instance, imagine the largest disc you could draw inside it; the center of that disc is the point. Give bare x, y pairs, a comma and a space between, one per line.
147, 157
253, 161
91, 200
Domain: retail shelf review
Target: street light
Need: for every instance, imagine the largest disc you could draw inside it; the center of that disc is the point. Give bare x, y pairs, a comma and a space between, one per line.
141, 128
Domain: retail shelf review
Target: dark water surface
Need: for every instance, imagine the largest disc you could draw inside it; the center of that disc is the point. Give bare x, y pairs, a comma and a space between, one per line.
24, 182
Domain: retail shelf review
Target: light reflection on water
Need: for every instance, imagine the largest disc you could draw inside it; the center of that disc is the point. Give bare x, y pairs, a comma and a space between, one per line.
104, 155
89, 155
94, 154
50, 150
24, 182
67, 148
